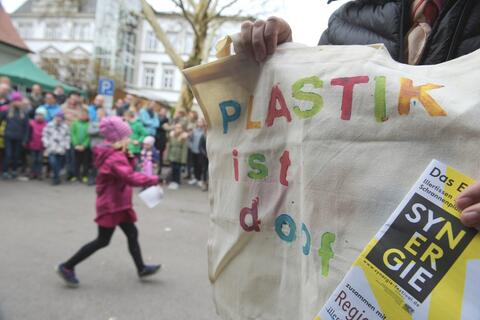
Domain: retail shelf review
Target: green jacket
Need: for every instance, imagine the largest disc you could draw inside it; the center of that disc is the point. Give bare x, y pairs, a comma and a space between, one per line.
79, 132
138, 134
177, 150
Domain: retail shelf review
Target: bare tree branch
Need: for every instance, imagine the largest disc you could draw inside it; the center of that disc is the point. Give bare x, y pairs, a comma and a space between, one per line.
220, 11
215, 5
191, 3
187, 15
161, 35
206, 18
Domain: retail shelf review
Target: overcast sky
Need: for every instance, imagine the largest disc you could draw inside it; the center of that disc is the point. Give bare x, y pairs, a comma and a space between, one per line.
308, 18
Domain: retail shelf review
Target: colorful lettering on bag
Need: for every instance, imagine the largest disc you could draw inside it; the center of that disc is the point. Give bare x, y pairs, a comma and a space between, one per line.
285, 219
326, 252
253, 213
380, 99
259, 169
229, 116
314, 98
276, 97
409, 92
284, 165
348, 84
286, 230
308, 103
252, 124
308, 240
235, 164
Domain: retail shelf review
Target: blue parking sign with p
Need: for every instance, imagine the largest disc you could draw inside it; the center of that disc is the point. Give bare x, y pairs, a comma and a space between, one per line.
106, 87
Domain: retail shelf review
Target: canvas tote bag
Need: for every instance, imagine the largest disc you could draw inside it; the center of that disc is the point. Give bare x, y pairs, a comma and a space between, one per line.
310, 152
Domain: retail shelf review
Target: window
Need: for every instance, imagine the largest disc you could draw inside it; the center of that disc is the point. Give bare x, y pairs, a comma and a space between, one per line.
149, 76
25, 29
129, 69
175, 40
129, 58
53, 31
151, 41
80, 31
168, 77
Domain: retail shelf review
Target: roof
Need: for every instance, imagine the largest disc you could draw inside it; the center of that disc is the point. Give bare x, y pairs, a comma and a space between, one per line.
24, 72
26, 7
86, 6
8, 33
149, 95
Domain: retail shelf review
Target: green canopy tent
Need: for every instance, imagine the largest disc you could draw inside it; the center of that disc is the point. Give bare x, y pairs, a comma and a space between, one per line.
24, 72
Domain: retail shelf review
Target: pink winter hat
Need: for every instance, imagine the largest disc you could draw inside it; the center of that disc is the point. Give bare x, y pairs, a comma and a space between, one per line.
114, 129
16, 96
149, 140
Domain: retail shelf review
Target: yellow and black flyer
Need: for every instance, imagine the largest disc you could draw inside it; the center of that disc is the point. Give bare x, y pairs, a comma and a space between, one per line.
423, 264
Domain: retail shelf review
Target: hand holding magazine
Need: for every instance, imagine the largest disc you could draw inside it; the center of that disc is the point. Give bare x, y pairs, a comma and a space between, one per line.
422, 264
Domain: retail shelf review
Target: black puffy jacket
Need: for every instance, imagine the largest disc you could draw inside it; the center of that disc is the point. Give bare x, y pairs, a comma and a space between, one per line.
455, 33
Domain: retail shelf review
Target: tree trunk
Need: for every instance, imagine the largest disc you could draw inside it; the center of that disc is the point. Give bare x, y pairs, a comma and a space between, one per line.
185, 100
161, 35
201, 20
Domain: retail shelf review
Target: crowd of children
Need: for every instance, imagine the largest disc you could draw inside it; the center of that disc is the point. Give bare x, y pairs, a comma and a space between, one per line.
40, 137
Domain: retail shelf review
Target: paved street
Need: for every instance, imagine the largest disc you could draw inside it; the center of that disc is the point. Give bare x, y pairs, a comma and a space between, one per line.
43, 225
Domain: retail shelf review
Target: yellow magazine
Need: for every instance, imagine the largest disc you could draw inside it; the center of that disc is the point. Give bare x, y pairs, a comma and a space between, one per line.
422, 265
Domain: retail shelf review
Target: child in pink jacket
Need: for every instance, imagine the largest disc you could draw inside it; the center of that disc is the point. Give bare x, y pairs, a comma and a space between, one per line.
35, 144
115, 179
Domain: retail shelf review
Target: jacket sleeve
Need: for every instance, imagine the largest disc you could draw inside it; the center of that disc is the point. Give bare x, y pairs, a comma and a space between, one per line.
149, 122
28, 133
144, 118
92, 113
73, 134
138, 132
123, 170
142, 133
86, 137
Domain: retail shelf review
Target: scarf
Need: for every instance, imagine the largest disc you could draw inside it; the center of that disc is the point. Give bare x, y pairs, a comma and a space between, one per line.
423, 14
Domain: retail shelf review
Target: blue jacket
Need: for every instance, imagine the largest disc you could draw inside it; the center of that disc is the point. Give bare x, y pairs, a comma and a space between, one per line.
92, 113
52, 110
17, 125
150, 123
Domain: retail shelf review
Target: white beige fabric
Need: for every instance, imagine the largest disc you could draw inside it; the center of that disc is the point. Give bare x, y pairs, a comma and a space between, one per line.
349, 168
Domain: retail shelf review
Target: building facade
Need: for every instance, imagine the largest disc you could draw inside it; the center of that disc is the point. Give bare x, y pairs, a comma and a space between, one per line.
78, 41
82, 40
156, 75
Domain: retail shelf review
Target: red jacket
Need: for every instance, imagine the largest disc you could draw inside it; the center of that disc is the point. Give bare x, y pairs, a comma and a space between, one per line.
115, 180
36, 128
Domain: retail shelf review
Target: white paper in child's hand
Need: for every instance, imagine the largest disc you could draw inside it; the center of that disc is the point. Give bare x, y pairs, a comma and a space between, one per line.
152, 196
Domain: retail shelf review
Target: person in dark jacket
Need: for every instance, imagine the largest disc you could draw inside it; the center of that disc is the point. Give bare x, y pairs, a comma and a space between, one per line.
36, 99
204, 157
420, 32
161, 136
444, 29
60, 95
16, 136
